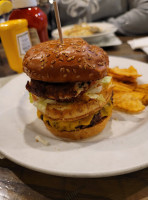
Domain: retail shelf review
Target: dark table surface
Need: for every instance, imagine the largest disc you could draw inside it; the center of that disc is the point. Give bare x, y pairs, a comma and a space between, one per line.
19, 183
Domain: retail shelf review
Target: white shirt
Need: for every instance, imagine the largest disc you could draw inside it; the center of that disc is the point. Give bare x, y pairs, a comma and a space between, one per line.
130, 16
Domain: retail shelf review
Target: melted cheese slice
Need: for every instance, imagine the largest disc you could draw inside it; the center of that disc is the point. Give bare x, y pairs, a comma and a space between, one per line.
66, 125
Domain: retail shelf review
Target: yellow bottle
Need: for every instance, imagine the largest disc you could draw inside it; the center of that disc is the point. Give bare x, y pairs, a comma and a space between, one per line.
16, 41
5, 6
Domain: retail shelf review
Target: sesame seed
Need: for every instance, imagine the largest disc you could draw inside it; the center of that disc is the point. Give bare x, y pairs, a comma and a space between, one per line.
61, 59
68, 70
80, 66
51, 66
89, 57
65, 75
79, 60
69, 59
89, 65
66, 55
85, 66
62, 70
58, 55
74, 71
53, 61
101, 63
78, 76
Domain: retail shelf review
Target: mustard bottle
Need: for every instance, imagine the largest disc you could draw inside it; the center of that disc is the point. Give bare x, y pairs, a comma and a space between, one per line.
16, 41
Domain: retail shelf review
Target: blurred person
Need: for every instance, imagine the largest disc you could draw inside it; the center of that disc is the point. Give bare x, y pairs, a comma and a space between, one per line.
129, 16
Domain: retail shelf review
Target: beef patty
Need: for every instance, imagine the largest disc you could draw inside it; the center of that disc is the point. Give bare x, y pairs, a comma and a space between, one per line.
57, 91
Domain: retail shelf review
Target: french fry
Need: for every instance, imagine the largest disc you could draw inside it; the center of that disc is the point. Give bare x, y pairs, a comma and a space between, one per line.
145, 100
126, 75
142, 88
128, 96
128, 102
122, 87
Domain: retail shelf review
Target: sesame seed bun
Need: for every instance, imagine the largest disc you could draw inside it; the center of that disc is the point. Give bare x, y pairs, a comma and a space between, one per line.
74, 60
66, 89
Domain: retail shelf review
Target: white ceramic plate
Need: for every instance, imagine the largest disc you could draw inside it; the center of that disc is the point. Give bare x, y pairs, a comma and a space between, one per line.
106, 29
107, 41
121, 148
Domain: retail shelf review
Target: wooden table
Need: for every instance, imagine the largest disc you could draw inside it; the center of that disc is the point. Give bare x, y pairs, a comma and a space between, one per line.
19, 183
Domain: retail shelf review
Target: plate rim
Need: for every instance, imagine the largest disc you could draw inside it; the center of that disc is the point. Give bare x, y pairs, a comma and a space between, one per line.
82, 175
78, 175
114, 29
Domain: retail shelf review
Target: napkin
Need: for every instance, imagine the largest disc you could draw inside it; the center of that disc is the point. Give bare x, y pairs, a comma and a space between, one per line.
141, 43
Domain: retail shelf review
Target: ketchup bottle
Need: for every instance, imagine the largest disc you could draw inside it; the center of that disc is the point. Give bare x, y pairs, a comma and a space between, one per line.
37, 19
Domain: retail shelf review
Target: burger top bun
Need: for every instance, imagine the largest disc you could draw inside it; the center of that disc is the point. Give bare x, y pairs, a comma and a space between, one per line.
74, 60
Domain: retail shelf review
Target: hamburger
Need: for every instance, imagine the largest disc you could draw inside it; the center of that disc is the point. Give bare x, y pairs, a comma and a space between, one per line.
69, 87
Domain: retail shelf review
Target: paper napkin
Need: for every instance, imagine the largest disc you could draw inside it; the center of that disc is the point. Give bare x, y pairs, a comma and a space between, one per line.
141, 43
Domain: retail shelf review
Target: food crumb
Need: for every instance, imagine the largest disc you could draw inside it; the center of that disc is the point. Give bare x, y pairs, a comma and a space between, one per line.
116, 119
41, 140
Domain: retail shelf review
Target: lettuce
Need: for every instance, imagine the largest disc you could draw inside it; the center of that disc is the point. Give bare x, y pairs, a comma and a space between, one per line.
106, 80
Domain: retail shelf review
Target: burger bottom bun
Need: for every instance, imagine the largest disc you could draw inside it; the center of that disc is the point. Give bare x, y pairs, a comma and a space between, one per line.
80, 134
